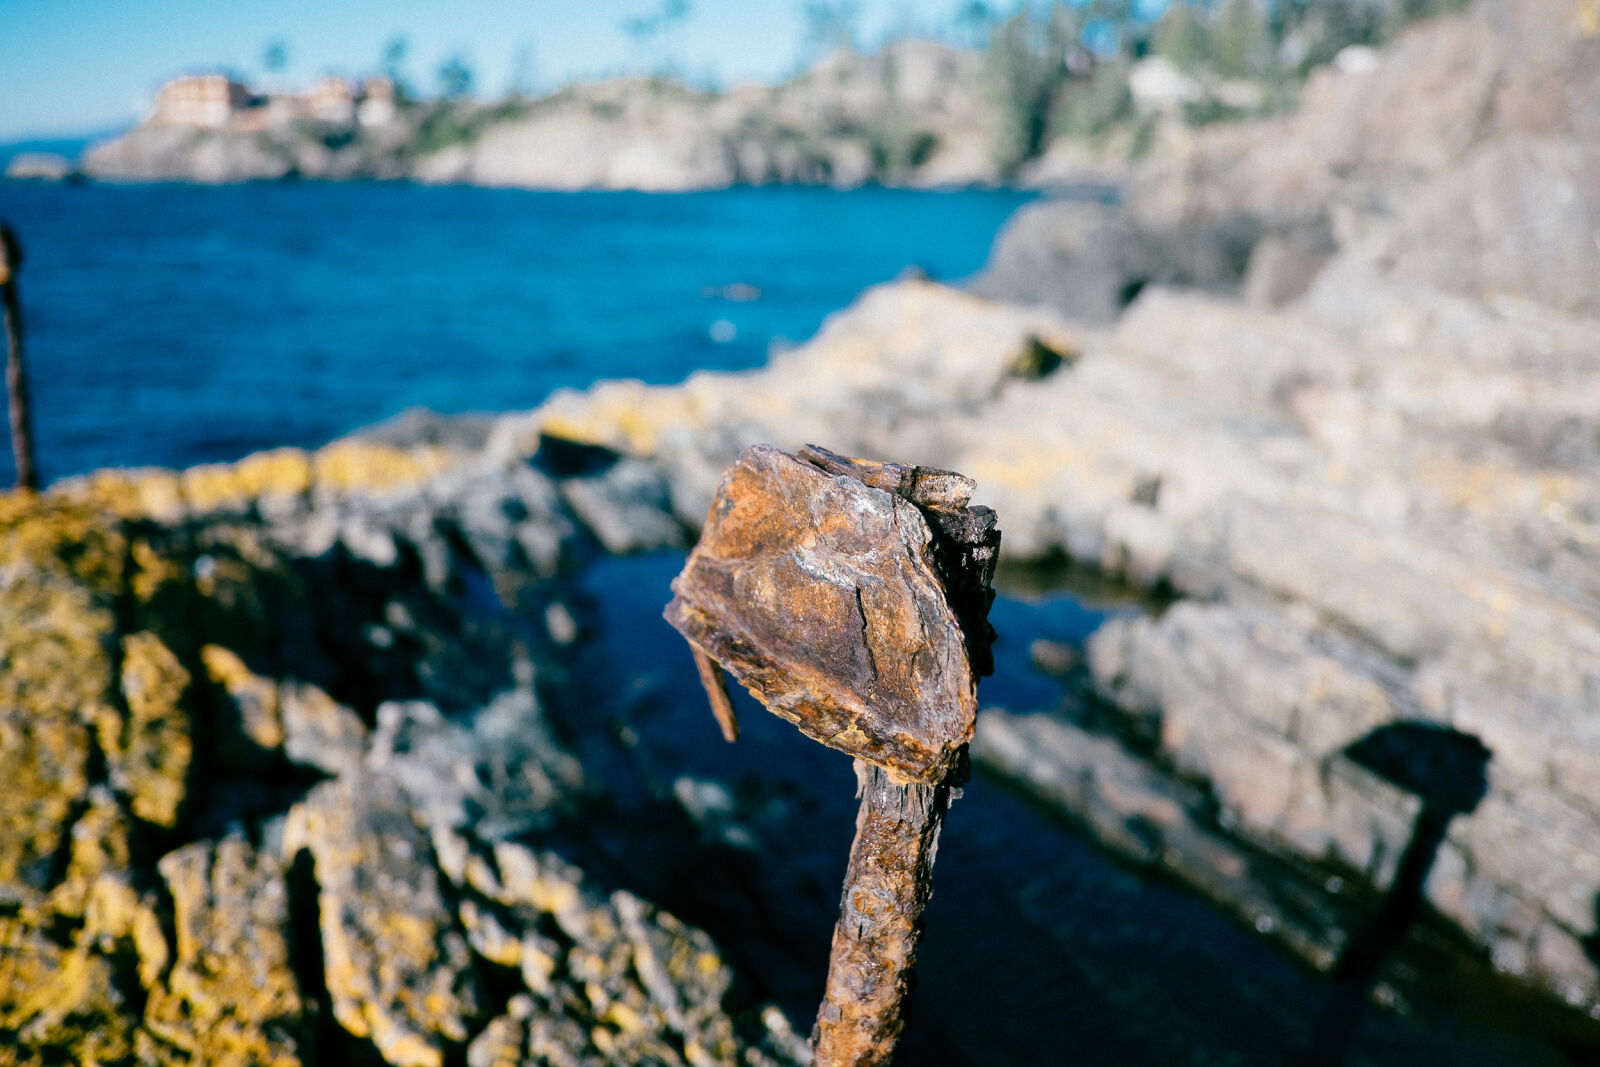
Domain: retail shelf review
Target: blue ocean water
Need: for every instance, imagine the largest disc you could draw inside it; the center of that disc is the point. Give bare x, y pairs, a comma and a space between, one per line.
172, 324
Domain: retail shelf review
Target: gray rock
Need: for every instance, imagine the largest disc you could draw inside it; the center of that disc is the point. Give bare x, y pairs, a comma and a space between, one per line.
39, 167
627, 507
1090, 260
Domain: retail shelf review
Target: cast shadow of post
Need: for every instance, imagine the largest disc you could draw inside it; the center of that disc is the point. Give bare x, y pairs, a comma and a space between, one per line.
1447, 770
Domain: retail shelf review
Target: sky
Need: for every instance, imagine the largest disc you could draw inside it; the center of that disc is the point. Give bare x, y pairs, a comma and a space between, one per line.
74, 67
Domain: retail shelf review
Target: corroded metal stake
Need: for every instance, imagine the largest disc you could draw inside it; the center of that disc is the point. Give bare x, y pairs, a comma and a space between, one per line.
852, 598
16, 380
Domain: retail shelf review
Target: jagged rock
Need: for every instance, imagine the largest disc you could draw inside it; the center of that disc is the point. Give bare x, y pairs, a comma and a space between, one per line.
59, 569
298, 719
1268, 740
612, 981
499, 772
627, 507
1520, 218
60, 1002
149, 753
175, 153
918, 353
248, 635
398, 973
1382, 487
230, 995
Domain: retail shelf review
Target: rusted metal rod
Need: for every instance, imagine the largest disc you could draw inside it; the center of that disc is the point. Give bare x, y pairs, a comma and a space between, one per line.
16, 379
886, 888
851, 598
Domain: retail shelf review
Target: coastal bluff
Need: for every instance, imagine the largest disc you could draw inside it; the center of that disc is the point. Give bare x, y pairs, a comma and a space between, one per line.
917, 113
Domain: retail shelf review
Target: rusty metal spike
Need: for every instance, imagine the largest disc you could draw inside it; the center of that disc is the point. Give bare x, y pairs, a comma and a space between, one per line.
851, 597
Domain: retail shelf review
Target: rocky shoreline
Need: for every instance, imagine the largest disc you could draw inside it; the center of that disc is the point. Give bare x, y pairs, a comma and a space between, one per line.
297, 704
276, 739
915, 114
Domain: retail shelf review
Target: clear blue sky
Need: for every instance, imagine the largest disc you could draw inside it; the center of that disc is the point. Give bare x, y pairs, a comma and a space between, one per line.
73, 66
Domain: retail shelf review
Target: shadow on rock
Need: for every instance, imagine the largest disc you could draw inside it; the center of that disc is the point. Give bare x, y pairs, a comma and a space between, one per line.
1447, 770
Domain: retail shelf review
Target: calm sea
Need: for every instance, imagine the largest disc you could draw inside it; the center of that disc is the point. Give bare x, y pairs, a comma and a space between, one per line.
176, 324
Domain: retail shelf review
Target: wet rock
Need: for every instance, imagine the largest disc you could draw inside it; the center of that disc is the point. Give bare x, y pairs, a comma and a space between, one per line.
1268, 740
1143, 815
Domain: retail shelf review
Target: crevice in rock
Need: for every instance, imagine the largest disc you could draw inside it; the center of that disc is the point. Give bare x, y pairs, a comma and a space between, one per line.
326, 1042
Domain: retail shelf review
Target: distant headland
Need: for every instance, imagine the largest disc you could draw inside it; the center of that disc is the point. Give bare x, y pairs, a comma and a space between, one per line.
1040, 101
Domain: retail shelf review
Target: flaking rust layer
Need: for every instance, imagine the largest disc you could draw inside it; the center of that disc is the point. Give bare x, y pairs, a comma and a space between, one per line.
826, 597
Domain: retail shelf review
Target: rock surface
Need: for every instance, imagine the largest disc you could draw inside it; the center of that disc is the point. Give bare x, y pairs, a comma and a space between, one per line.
276, 746
1465, 149
1379, 496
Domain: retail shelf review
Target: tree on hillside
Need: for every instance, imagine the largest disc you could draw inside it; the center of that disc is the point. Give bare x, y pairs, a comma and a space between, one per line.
649, 33
1025, 63
275, 56
456, 77
830, 26
393, 65
521, 84
1241, 40
1182, 36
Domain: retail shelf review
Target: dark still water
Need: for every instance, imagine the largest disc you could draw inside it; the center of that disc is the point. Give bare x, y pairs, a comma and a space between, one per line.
1039, 949
174, 325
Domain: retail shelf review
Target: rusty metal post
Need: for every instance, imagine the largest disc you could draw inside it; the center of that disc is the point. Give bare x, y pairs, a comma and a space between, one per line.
852, 598
16, 379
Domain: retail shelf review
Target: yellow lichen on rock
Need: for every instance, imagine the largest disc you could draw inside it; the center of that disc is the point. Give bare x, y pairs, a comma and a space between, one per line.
353, 464
64, 999
230, 998
255, 697
624, 416
282, 472
56, 671
97, 868
397, 970
144, 493
148, 755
